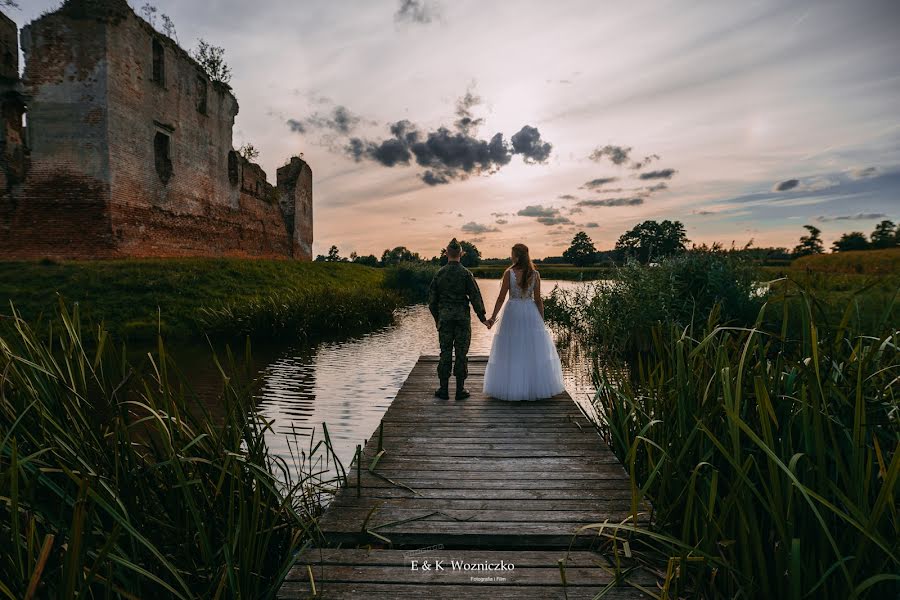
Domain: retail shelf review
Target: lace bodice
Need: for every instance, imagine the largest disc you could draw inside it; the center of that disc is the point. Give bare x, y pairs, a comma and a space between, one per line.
515, 290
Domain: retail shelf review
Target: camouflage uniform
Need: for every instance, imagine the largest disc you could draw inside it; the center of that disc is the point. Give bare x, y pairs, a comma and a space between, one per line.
449, 295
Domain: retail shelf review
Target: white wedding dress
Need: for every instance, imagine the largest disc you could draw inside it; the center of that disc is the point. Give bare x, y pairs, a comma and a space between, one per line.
523, 363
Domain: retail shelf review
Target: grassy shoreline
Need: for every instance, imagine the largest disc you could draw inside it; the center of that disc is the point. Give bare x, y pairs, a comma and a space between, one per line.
189, 298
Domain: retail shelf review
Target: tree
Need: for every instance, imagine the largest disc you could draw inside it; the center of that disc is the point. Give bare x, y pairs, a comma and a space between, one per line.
249, 151
212, 59
809, 244
855, 240
582, 251
333, 255
471, 255
885, 235
650, 240
398, 255
369, 260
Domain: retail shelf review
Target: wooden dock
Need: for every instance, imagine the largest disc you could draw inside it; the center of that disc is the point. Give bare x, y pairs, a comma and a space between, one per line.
474, 481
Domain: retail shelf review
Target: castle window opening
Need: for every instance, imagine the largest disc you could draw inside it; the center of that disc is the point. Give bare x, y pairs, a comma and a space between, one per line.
159, 63
233, 167
201, 94
162, 157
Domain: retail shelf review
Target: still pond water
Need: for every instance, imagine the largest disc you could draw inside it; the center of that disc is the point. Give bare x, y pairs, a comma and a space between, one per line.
349, 384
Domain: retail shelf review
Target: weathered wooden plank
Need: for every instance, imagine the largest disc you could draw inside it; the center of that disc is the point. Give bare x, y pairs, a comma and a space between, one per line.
487, 478
476, 591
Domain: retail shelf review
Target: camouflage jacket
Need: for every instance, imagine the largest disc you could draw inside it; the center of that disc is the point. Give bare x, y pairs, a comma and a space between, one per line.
450, 293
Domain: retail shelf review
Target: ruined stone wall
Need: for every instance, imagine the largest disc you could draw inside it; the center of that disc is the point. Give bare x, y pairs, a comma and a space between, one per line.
295, 196
131, 150
201, 207
62, 206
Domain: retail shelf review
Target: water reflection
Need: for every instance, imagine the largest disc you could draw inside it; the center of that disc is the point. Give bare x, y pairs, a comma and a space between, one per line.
349, 384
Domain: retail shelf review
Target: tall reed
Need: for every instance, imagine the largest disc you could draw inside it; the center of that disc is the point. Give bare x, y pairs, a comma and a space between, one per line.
771, 460
116, 483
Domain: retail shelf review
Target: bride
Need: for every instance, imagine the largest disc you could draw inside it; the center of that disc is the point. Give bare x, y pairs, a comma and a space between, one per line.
523, 363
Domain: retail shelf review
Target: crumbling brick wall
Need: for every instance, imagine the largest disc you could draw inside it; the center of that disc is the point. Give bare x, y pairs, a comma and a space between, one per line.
131, 150
295, 197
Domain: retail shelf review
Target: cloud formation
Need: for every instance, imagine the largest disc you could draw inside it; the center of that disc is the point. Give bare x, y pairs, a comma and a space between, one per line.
864, 173
786, 185
501, 221
593, 184
612, 202
450, 155
557, 220
340, 120
416, 11
640, 164
617, 155
856, 217
478, 228
538, 210
661, 174
591, 225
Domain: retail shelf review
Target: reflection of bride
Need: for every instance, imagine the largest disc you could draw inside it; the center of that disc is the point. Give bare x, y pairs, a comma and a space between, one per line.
523, 363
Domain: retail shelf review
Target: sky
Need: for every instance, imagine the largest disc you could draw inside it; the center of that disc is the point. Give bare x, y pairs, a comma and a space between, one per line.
501, 122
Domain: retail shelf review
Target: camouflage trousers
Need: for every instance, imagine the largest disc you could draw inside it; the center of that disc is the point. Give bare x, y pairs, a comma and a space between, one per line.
454, 336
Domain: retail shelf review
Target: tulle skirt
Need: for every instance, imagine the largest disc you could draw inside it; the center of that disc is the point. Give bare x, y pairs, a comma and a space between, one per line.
523, 363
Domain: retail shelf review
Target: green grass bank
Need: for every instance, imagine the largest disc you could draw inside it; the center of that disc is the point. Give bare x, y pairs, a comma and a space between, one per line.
187, 298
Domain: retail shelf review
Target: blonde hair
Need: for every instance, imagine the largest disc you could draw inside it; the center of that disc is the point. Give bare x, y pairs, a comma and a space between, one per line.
522, 260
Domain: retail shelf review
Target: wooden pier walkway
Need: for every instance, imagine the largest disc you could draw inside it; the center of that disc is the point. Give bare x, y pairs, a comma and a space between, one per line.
475, 481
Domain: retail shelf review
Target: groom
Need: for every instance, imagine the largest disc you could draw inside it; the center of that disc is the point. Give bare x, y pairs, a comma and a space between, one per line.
449, 295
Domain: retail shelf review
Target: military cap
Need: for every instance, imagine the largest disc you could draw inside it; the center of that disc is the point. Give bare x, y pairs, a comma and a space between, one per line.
454, 245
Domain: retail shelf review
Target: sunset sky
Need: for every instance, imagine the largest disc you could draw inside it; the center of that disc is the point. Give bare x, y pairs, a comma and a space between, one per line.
741, 119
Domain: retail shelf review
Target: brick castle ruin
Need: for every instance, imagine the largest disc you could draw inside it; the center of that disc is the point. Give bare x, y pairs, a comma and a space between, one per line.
128, 151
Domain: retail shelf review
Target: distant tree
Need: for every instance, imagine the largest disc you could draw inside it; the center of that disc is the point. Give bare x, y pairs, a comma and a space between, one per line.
320, 258
582, 251
885, 235
212, 59
651, 240
333, 255
471, 255
809, 244
369, 260
249, 151
398, 255
855, 240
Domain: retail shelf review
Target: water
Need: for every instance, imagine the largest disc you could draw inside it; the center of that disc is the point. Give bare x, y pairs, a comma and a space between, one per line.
349, 384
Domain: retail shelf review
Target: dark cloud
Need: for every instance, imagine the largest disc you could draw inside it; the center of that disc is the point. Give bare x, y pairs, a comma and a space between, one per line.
705, 212
575, 210
616, 154
501, 221
538, 210
448, 155
595, 183
856, 217
612, 202
864, 173
432, 178
788, 184
655, 188
591, 225
340, 120
557, 220
661, 174
529, 144
416, 11
499, 214
478, 228
567, 197
640, 164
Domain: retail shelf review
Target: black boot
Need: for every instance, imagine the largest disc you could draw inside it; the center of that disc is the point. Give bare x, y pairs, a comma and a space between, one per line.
442, 391
461, 392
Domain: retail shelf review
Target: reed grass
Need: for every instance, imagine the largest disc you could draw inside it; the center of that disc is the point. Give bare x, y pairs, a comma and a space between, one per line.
770, 456
115, 482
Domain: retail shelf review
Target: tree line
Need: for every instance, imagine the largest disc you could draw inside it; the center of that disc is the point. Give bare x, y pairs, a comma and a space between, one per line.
645, 242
